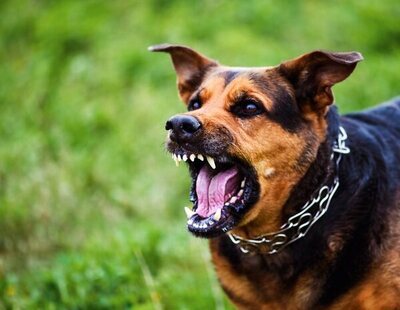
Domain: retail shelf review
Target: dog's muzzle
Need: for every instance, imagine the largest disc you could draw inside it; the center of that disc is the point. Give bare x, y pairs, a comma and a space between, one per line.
224, 187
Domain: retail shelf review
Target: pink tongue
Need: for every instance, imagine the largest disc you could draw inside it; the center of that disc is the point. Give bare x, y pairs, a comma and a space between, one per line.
213, 190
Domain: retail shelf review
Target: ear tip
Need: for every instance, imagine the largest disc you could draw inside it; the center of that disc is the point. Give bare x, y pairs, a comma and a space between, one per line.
168, 47
358, 56
159, 47
353, 56
343, 57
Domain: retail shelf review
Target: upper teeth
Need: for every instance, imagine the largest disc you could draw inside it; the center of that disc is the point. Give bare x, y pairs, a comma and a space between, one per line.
185, 157
211, 162
174, 157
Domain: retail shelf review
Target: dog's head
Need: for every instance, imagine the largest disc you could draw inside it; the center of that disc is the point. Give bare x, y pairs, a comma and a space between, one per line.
250, 134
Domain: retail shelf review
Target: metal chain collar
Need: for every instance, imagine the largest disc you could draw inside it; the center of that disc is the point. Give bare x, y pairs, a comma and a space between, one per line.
300, 223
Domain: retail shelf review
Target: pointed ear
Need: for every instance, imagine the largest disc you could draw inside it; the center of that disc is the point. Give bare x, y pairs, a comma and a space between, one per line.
189, 65
313, 75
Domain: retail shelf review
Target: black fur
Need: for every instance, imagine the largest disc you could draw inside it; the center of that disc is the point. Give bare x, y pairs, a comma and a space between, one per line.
229, 76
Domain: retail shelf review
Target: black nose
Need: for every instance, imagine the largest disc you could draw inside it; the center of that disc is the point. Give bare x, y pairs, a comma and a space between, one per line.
183, 127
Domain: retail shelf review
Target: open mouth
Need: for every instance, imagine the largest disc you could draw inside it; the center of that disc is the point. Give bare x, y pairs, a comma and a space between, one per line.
223, 190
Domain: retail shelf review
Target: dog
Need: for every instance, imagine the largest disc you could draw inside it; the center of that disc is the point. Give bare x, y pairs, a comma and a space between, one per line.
301, 205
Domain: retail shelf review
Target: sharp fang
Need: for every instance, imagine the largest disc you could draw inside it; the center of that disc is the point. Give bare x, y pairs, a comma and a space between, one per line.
211, 162
201, 157
189, 213
184, 157
192, 157
176, 160
233, 199
217, 215
179, 157
240, 193
243, 183
226, 203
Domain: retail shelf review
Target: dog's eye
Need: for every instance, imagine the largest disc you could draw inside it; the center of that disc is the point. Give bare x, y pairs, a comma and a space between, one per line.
194, 104
247, 108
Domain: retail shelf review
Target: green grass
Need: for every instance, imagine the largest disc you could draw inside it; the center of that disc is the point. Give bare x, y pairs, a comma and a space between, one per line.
91, 207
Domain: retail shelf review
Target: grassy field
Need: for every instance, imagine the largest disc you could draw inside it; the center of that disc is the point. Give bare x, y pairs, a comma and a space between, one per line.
91, 206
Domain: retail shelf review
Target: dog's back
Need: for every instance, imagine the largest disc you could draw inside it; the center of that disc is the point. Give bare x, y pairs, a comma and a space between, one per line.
377, 131
385, 116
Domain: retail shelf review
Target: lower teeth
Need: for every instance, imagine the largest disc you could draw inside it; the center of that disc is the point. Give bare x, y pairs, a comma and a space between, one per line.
217, 215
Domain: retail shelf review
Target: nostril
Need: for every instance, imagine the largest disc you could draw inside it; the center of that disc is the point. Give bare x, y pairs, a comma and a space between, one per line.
168, 125
190, 126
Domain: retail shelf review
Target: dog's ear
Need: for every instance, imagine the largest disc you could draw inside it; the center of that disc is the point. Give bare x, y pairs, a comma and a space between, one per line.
190, 67
313, 75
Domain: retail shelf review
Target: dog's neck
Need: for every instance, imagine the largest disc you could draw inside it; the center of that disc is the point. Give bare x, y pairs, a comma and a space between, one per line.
320, 170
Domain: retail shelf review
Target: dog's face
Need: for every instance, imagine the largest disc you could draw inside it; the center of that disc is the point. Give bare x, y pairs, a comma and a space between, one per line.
250, 134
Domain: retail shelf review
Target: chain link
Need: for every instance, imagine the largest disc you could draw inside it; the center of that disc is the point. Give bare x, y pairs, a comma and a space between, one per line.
301, 222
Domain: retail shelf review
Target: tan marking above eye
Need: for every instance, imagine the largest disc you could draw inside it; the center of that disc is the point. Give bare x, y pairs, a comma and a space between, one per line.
243, 85
204, 95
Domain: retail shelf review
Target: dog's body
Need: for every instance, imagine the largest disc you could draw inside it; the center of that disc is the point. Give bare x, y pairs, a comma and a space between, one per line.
274, 128
351, 258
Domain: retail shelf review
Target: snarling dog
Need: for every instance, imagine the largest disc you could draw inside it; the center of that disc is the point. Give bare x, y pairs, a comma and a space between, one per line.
301, 205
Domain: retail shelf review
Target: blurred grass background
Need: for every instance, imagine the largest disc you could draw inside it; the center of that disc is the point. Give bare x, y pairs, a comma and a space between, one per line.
91, 207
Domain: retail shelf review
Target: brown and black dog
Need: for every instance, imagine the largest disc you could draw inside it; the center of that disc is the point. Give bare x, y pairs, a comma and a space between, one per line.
301, 205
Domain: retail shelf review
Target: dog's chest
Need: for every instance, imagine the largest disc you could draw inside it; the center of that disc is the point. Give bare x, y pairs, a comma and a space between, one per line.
249, 282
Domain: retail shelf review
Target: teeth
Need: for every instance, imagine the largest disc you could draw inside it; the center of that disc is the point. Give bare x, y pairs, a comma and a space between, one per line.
217, 215
226, 203
243, 183
240, 193
211, 162
233, 199
189, 213
176, 160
